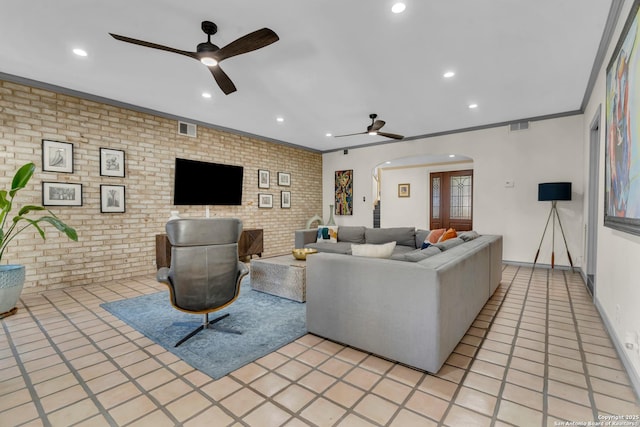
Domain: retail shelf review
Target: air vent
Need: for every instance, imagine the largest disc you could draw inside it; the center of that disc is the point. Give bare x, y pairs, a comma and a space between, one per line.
187, 129
519, 126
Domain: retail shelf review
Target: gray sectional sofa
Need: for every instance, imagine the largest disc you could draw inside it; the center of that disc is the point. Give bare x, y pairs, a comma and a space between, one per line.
416, 312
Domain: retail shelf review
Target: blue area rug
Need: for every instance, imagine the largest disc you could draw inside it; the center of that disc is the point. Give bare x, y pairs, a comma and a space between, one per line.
267, 323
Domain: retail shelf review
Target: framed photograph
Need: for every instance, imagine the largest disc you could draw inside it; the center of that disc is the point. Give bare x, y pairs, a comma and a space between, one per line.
57, 156
404, 190
285, 199
263, 178
622, 188
112, 199
111, 162
265, 200
61, 194
284, 179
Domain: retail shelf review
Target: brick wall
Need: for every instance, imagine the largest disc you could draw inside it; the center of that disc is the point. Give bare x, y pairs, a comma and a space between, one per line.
117, 246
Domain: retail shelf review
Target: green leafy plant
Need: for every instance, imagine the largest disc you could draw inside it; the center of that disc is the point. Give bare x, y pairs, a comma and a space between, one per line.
20, 222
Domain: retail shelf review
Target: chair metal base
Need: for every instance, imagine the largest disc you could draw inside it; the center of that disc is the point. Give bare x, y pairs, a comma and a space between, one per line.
206, 323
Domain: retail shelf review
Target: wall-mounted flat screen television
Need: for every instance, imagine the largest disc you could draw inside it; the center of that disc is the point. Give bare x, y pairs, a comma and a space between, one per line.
203, 183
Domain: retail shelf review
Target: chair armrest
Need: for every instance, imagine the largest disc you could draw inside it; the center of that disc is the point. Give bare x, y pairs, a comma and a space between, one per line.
302, 237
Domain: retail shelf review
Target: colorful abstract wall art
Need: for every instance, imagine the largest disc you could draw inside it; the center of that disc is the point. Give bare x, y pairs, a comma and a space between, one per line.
344, 192
622, 153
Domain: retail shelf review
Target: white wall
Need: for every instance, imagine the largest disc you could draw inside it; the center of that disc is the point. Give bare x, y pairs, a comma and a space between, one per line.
617, 270
550, 150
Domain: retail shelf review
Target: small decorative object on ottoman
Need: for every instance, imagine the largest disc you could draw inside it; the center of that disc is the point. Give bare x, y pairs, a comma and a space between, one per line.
302, 253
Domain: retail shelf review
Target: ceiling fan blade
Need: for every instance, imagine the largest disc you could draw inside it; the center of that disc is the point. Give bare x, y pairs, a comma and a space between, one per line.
222, 79
376, 125
248, 43
391, 135
154, 46
351, 134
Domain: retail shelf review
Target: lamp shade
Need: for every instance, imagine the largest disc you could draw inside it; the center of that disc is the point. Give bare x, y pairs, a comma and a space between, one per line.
554, 191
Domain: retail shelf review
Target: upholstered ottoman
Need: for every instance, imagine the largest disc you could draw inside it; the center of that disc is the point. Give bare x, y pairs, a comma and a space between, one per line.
283, 276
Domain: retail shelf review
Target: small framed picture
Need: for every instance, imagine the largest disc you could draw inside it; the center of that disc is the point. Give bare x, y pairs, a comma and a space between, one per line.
263, 178
57, 156
284, 179
112, 199
404, 190
61, 194
265, 200
285, 199
111, 162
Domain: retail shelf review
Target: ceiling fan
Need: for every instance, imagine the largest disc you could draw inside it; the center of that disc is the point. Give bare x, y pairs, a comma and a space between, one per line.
211, 55
374, 129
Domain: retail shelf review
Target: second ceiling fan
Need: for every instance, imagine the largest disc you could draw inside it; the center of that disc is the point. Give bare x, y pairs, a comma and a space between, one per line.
374, 129
211, 55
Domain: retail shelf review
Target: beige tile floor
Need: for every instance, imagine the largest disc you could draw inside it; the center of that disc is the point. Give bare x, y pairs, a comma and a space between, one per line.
537, 354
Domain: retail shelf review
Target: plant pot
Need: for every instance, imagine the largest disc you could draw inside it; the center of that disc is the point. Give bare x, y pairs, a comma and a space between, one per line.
11, 283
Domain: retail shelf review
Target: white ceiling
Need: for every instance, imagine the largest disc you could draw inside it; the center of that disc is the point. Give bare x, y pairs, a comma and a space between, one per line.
335, 63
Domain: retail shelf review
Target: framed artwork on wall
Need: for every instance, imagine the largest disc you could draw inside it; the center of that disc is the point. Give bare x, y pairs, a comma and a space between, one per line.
344, 192
622, 151
111, 162
112, 199
265, 200
404, 190
61, 194
57, 156
285, 199
284, 179
263, 178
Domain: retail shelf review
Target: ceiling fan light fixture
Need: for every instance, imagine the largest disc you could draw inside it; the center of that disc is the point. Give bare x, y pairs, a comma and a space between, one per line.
373, 133
208, 61
398, 7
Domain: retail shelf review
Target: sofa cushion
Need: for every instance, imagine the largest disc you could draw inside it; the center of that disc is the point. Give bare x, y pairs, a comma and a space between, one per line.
421, 235
372, 250
468, 235
405, 236
352, 234
448, 244
420, 254
327, 233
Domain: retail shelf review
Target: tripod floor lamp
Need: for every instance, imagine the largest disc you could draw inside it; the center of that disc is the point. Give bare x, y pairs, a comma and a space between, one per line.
553, 192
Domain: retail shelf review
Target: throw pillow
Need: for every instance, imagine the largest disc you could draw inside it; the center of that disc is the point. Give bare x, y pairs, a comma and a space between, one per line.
327, 233
467, 236
435, 235
425, 244
373, 251
449, 234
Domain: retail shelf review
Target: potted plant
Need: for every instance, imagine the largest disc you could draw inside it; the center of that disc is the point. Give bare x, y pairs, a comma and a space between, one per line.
12, 275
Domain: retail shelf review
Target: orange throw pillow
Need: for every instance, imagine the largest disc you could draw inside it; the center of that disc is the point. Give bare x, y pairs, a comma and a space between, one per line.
435, 235
449, 234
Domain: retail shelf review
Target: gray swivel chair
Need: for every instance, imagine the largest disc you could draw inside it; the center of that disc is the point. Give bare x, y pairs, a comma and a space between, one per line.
205, 273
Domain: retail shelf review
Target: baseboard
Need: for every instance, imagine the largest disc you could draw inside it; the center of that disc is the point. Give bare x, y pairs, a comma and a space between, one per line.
622, 354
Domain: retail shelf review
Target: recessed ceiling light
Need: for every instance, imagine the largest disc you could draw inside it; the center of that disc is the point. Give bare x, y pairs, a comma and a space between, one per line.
448, 74
280, 119
206, 95
387, 163
328, 134
398, 8
452, 155
472, 106
80, 52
